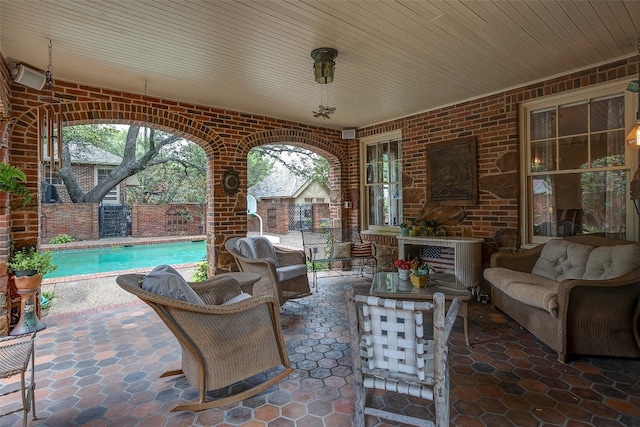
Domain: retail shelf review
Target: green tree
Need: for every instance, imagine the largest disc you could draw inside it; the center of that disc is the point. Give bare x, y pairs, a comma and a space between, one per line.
298, 160
167, 159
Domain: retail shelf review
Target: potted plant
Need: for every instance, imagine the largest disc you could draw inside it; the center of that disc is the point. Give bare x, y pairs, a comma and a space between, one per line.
419, 279
403, 268
13, 181
404, 229
28, 262
28, 266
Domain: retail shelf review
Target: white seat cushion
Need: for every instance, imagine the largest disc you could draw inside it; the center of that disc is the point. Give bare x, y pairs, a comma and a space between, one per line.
291, 271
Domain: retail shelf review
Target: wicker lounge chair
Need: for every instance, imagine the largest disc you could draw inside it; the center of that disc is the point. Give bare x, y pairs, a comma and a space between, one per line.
222, 344
285, 268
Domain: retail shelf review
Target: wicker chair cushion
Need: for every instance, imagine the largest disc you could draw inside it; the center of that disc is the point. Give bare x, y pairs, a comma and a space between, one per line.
290, 272
257, 248
240, 297
165, 280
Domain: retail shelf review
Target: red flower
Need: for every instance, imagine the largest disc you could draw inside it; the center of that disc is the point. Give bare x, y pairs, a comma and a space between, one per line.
402, 264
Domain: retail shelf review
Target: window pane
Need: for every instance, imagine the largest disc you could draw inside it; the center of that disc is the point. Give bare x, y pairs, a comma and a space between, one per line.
394, 171
543, 155
607, 113
573, 119
607, 149
372, 153
578, 203
543, 124
371, 174
573, 152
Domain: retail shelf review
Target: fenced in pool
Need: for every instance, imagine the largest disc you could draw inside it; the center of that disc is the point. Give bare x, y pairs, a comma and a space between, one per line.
126, 257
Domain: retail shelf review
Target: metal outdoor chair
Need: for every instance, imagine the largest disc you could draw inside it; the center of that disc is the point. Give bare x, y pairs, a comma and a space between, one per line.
392, 350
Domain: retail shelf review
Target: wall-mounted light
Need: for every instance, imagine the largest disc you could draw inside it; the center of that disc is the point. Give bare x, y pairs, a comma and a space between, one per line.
324, 64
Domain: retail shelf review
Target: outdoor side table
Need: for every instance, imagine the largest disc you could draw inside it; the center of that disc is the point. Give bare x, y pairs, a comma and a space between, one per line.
16, 353
388, 285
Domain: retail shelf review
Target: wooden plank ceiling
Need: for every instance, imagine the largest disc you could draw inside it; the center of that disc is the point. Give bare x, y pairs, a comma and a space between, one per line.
395, 58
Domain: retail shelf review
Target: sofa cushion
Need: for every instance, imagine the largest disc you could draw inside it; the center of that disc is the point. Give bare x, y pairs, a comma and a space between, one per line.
525, 287
607, 262
562, 259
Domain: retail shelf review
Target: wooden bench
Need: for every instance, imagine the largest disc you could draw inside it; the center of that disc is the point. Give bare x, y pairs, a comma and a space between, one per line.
339, 247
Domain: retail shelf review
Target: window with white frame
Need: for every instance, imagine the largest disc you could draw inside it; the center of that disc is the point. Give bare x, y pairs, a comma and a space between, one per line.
113, 196
576, 168
382, 181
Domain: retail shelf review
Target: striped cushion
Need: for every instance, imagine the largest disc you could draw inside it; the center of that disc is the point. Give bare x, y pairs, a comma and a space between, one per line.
361, 250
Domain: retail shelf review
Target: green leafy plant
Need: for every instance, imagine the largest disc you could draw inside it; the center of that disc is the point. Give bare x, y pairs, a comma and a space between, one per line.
61, 238
28, 258
46, 299
13, 180
200, 272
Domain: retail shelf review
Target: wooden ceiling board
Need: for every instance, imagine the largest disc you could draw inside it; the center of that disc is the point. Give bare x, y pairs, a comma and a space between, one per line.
396, 58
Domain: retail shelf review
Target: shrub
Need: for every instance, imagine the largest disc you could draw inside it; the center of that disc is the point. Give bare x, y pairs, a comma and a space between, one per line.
61, 238
200, 273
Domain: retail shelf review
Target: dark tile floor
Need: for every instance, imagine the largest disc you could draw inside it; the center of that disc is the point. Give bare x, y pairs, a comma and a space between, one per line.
102, 368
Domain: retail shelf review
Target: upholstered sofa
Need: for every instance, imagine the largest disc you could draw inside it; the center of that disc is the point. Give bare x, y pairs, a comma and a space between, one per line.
579, 294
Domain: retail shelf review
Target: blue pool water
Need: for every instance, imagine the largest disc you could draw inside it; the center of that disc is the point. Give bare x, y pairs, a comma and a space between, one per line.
100, 260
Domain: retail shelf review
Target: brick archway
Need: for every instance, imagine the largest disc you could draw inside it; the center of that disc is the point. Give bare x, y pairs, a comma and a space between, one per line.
224, 149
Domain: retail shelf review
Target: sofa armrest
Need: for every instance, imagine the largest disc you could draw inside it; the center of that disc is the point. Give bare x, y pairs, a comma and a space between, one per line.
520, 261
600, 317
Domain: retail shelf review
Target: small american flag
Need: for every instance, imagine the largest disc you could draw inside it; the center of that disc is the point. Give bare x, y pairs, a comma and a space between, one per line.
442, 260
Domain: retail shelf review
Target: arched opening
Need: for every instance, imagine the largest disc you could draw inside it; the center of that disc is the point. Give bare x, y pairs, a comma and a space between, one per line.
226, 213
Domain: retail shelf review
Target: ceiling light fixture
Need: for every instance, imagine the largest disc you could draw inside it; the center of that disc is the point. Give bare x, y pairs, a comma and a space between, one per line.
324, 64
633, 138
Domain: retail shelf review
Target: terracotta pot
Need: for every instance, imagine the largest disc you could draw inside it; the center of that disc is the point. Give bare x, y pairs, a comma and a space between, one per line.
27, 283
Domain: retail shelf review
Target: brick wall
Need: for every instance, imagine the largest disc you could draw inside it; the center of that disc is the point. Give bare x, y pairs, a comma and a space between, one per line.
167, 220
80, 220
227, 136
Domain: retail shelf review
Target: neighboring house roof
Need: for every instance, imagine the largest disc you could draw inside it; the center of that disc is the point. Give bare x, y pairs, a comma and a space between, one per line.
281, 183
92, 155
540, 186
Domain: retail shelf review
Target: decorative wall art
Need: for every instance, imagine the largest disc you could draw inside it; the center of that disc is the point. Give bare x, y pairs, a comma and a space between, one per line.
230, 181
452, 173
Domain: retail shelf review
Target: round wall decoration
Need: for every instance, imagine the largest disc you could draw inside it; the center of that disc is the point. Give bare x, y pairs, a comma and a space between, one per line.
230, 181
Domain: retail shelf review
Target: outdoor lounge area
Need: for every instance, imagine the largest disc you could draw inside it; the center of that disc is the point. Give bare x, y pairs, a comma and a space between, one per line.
103, 366
460, 139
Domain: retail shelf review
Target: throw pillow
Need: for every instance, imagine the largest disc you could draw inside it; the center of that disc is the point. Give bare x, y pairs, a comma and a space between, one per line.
165, 280
362, 250
342, 250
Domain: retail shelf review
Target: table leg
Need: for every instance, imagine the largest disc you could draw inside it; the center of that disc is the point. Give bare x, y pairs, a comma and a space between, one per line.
464, 313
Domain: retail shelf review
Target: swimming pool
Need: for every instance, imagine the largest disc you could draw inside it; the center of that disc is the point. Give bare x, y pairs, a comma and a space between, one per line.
117, 258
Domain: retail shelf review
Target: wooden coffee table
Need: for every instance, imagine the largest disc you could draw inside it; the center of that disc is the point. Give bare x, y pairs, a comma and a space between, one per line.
387, 284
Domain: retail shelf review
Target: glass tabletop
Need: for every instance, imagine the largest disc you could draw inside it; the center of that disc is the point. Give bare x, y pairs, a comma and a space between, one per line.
388, 284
